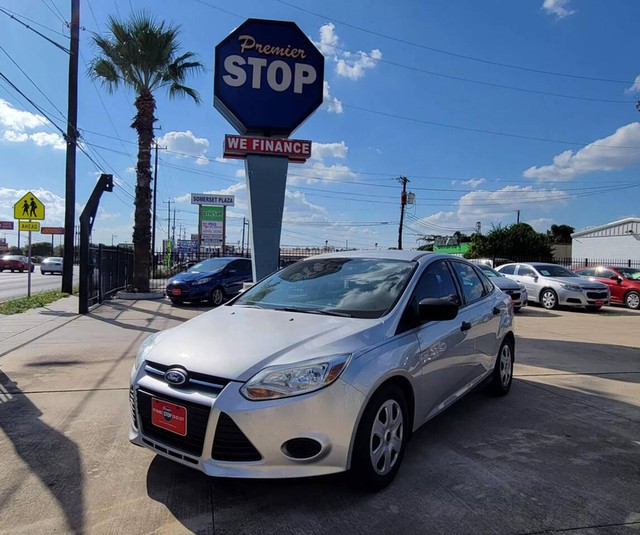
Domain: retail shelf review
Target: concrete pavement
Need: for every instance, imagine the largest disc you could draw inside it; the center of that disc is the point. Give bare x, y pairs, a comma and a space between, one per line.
561, 453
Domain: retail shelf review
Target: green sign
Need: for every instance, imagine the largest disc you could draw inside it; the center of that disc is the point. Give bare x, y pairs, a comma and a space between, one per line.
211, 220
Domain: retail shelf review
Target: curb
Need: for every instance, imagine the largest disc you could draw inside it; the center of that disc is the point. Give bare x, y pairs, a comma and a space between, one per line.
134, 296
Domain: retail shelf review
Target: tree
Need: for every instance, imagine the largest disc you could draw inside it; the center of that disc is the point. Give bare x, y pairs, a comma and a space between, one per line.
516, 242
560, 233
142, 54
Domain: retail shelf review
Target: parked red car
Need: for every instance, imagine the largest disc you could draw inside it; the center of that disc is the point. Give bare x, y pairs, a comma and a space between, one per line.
624, 283
15, 262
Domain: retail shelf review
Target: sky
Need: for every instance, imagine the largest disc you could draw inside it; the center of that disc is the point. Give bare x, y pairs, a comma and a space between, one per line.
492, 110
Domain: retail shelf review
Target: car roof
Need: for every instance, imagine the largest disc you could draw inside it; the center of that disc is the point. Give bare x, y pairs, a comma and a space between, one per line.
387, 254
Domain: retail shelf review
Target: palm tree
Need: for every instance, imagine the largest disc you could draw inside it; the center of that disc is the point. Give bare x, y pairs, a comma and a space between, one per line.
143, 54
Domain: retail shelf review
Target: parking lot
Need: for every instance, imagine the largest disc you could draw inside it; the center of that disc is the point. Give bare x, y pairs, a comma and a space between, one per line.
559, 454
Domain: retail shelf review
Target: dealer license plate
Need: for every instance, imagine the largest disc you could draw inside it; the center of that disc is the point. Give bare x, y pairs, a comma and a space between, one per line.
176, 291
599, 303
169, 416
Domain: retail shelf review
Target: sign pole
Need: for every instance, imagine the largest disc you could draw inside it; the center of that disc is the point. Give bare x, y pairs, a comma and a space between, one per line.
29, 267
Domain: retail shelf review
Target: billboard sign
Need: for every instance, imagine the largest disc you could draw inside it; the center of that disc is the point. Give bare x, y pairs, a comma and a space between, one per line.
52, 230
6, 225
211, 220
297, 150
268, 77
208, 199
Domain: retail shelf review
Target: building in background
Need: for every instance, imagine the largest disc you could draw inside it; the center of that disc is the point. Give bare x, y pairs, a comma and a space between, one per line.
618, 241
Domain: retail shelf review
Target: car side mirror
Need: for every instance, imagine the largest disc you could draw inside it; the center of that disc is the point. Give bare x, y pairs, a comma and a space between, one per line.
433, 309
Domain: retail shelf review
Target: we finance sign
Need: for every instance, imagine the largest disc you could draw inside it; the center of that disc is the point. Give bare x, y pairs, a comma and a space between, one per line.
268, 77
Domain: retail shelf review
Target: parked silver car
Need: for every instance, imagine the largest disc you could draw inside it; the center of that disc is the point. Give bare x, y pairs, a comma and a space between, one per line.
53, 264
513, 289
553, 285
324, 366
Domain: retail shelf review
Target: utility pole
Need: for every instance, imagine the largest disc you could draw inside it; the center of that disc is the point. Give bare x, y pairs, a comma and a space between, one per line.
71, 139
403, 201
168, 219
518, 216
244, 219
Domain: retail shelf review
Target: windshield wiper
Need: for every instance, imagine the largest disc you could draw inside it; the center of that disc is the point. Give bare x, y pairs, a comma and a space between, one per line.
315, 311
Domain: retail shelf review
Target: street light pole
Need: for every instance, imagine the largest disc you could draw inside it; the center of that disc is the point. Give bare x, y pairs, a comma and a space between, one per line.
403, 201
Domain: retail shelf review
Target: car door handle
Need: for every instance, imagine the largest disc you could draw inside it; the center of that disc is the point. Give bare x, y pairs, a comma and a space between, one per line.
465, 326
496, 311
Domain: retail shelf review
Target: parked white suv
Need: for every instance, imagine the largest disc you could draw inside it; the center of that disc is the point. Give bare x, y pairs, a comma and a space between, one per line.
552, 285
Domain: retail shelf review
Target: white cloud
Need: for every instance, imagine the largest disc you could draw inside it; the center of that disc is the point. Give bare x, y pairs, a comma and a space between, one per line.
603, 154
635, 88
186, 144
331, 103
491, 207
44, 139
472, 182
14, 137
559, 8
353, 66
19, 120
350, 65
319, 151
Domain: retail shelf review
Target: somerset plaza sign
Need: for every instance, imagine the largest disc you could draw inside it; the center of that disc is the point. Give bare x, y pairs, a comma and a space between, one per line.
268, 77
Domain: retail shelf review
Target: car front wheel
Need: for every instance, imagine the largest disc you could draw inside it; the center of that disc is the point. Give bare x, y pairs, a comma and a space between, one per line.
632, 300
217, 296
381, 439
549, 299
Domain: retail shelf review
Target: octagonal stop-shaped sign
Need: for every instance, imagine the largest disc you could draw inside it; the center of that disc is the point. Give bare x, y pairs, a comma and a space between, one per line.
268, 77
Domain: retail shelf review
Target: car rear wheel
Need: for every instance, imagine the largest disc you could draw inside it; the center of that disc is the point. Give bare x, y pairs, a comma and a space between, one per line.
381, 439
217, 296
549, 299
632, 300
502, 376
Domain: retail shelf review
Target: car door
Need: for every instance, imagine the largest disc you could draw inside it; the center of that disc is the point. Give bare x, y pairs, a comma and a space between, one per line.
613, 281
447, 351
482, 315
527, 276
236, 275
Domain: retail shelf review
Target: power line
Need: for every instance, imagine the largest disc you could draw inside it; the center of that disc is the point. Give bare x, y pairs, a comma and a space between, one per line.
57, 45
453, 54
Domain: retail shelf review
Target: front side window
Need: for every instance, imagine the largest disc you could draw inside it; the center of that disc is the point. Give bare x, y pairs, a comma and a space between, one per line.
526, 271
508, 270
470, 282
437, 283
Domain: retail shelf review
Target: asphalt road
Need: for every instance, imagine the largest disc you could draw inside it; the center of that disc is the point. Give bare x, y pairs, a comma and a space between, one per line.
13, 285
559, 455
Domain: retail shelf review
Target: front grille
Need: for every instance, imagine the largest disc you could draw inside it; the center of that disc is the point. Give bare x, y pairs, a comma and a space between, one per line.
514, 294
597, 295
231, 444
197, 418
198, 381
132, 402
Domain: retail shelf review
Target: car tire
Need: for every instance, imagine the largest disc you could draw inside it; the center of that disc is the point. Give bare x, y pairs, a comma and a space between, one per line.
632, 300
381, 439
217, 296
175, 301
502, 375
549, 299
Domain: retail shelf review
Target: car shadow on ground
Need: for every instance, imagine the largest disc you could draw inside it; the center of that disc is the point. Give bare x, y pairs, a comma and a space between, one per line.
49, 455
534, 461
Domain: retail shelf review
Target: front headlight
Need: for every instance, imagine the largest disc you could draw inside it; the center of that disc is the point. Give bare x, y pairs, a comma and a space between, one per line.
201, 281
294, 379
144, 349
572, 287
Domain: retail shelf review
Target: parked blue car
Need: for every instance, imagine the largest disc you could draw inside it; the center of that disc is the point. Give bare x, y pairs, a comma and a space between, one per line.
214, 280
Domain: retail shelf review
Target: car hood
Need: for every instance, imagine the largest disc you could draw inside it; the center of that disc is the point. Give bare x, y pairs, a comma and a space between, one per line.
584, 283
235, 343
505, 283
189, 276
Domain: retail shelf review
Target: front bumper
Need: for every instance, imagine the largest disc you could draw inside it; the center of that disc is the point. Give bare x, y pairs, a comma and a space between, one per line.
186, 292
229, 436
584, 298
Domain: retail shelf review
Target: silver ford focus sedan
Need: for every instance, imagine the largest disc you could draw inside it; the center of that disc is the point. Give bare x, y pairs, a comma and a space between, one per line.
326, 366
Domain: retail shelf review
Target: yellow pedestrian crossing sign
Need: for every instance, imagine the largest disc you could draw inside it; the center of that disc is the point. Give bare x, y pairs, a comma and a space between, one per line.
29, 207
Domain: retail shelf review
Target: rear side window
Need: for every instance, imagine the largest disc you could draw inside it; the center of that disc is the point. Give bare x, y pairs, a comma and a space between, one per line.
508, 270
488, 285
470, 282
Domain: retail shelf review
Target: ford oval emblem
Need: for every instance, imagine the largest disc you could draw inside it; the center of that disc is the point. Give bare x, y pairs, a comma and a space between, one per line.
175, 376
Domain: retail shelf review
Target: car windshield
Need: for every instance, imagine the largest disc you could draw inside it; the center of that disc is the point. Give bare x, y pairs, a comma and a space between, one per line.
553, 270
212, 265
52, 260
355, 287
630, 273
489, 271
10, 257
